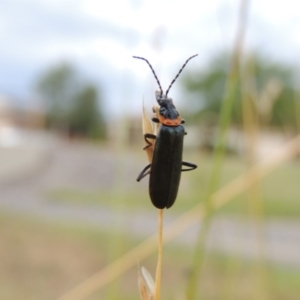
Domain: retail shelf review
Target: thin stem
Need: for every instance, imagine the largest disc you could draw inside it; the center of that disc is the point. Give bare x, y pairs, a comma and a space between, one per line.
160, 252
224, 123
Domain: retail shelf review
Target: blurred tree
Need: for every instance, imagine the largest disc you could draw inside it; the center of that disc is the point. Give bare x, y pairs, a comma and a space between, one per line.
58, 87
272, 85
72, 105
85, 119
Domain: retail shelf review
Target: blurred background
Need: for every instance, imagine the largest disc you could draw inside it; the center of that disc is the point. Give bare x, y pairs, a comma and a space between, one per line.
71, 99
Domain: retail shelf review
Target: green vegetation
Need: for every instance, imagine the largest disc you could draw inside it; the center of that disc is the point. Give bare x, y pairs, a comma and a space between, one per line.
73, 104
273, 84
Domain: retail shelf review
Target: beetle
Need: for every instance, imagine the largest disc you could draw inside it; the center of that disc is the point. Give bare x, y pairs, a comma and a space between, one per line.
167, 165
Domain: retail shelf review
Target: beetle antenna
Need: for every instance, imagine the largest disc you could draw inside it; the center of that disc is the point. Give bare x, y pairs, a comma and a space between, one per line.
161, 91
179, 73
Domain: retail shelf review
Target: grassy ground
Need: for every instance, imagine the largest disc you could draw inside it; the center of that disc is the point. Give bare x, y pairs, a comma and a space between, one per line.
42, 261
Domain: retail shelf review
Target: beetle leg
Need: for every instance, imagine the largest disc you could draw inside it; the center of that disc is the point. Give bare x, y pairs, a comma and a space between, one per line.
144, 173
155, 120
190, 165
149, 136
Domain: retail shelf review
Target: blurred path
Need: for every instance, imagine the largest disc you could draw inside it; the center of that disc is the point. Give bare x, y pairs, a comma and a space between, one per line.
27, 172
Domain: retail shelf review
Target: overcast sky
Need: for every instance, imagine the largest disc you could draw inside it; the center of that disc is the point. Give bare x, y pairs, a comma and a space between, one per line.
100, 37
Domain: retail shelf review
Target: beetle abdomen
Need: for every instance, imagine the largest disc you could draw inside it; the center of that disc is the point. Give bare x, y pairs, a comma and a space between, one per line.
166, 166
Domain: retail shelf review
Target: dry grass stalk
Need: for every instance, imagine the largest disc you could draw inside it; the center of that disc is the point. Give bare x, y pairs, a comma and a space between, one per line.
149, 127
182, 223
146, 285
160, 252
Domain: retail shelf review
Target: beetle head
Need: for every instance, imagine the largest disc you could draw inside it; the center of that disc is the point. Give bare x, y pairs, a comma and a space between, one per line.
162, 99
167, 110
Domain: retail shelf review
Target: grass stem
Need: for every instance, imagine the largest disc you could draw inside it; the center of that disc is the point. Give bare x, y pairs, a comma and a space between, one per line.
160, 252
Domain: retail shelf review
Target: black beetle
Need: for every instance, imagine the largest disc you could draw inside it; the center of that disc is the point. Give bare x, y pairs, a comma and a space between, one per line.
166, 167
